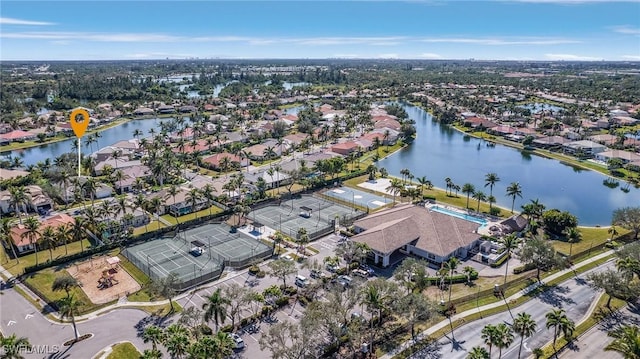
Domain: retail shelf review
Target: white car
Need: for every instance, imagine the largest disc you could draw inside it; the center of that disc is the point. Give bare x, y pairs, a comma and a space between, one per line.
236, 339
287, 257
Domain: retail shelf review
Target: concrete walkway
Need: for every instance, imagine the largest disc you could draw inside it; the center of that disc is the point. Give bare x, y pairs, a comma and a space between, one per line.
515, 296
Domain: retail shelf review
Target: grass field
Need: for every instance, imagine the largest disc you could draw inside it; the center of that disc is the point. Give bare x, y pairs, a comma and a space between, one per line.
124, 351
187, 217
17, 267
591, 237
153, 226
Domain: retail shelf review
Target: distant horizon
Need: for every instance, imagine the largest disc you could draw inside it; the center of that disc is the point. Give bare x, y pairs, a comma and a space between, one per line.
498, 30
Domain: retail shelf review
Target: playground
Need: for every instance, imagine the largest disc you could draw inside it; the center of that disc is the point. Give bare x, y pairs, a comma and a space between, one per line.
103, 279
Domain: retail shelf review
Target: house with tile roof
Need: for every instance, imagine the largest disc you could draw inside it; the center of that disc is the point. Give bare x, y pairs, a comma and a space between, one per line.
416, 230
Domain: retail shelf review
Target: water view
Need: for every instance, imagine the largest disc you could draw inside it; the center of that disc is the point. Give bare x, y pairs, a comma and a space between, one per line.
440, 152
33, 155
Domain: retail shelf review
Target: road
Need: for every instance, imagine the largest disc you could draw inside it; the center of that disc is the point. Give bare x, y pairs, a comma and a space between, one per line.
574, 295
591, 344
17, 315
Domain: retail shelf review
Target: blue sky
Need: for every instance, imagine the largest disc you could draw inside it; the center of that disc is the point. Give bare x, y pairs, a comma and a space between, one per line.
418, 29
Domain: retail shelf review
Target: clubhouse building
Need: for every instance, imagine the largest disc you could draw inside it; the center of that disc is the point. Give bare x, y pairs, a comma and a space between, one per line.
411, 229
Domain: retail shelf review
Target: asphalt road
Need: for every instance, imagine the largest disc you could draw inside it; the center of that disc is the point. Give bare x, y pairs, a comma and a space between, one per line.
18, 316
575, 296
591, 344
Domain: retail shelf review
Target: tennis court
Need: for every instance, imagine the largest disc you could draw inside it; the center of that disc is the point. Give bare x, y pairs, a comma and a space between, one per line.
309, 212
196, 255
360, 198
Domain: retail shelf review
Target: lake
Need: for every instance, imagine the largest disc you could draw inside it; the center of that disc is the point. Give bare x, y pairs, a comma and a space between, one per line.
33, 155
440, 151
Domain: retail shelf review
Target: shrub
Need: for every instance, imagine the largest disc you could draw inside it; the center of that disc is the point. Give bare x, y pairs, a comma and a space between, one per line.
499, 262
205, 329
282, 301
290, 290
341, 271
254, 269
524, 268
303, 301
261, 274
225, 329
429, 198
495, 211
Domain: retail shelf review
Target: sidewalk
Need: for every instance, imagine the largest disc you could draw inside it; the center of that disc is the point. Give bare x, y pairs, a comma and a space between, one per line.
466, 313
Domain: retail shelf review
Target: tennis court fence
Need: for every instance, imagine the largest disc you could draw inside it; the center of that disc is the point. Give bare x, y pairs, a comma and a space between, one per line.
244, 260
189, 279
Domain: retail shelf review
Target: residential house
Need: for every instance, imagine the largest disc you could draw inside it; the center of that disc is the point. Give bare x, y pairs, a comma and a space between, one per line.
624, 156
119, 164
143, 111
276, 179
131, 174
605, 139
257, 152
235, 161
588, 148
18, 136
550, 141
345, 148
416, 230
22, 243
7, 174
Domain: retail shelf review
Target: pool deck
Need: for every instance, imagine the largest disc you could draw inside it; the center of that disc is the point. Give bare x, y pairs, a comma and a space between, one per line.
484, 229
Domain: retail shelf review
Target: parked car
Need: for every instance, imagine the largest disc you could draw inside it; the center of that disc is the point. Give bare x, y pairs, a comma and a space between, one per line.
345, 280
315, 274
287, 257
236, 339
332, 267
368, 269
301, 281
360, 273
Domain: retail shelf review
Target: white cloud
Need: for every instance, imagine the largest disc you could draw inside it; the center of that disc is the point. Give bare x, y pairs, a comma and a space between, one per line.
429, 55
631, 57
12, 21
157, 55
388, 56
570, 57
100, 37
346, 56
626, 29
501, 41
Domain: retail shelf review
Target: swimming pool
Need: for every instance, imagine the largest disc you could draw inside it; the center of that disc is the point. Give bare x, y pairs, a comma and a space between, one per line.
481, 221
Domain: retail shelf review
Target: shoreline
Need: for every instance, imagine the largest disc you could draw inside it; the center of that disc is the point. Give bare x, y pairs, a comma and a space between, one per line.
537, 151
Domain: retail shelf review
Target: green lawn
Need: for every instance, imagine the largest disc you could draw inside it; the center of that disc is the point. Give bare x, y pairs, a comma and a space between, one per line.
17, 268
124, 351
42, 280
187, 217
591, 237
153, 226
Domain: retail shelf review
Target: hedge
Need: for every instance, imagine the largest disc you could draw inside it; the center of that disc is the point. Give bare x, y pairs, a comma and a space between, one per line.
459, 278
525, 268
499, 262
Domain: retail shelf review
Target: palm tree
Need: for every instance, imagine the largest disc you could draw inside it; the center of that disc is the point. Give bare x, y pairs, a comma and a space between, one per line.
628, 267
451, 265
557, 318
216, 307
176, 342
449, 184
525, 327
5, 237
573, 235
424, 182
153, 334
504, 336
468, 189
173, 192
49, 239
63, 235
489, 334
193, 198
514, 190
64, 282
90, 187
224, 345
394, 187
372, 299
479, 196
63, 178
68, 308
490, 179
509, 242
32, 233
478, 353
18, 199
13, 346
626, 342
78, 231
207, 192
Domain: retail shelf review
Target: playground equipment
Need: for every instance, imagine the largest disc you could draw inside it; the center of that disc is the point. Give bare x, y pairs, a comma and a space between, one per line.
107, 280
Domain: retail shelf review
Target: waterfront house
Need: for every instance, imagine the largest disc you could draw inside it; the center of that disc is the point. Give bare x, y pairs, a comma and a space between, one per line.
624, 156
411, 229
588, 148
550, 141
345, 148
605, 139
18, 136
235, 161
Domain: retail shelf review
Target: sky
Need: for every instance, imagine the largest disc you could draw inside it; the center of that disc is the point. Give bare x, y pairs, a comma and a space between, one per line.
582, 30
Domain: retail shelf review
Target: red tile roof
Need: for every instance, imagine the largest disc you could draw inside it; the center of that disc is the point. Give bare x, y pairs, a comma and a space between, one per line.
55, 222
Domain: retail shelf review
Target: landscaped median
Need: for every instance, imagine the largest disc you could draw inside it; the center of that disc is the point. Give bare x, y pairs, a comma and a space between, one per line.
515, 296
